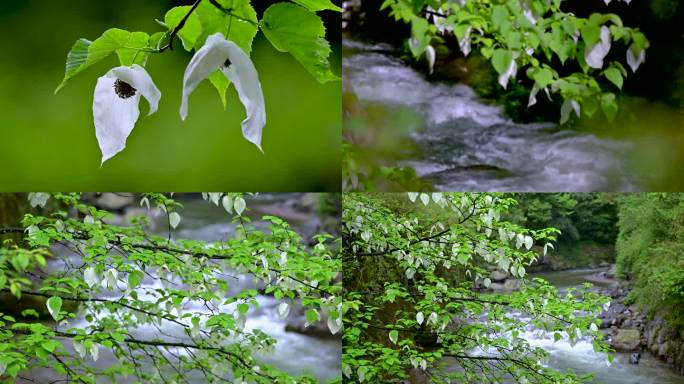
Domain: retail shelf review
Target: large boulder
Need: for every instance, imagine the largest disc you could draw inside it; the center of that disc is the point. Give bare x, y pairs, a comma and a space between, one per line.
627, 340
512, 285
114, 202
498, 275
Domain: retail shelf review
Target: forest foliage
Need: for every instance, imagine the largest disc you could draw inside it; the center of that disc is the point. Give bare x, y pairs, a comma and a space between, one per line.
183, 323
562, 54
650, 249
578, 216
418, 269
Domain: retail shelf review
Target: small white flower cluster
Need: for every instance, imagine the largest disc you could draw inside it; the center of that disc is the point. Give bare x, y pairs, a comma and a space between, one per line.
117, 93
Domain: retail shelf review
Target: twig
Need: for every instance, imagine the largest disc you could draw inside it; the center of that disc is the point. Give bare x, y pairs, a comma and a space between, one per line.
180, 26
229, 11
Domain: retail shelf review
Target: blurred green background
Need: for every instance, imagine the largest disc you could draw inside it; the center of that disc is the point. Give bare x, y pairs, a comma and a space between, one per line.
47, 141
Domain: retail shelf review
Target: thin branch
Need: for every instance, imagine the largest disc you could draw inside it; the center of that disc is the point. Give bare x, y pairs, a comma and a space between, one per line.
178, 28
229, 11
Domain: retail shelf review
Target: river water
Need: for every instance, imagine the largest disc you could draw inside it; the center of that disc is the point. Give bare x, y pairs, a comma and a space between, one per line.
468, 144
582, 359
295, 353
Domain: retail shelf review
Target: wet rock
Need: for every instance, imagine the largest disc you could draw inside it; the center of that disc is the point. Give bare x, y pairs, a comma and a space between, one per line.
418, 376
662, 351
605, 323
511, 285
508, 285
113, 201
634, 358
626, 340
498, 275
497, 287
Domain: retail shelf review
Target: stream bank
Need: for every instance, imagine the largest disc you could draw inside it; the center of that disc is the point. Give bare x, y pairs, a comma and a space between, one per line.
629, 329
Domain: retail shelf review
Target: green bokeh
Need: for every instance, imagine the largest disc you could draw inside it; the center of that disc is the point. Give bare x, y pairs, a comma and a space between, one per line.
47, 141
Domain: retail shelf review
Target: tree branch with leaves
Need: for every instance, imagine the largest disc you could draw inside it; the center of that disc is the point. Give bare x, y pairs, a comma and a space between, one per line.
221, 33
161, 309
419, 297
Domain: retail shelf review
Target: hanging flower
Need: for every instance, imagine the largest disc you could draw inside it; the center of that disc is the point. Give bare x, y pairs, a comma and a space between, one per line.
218, 53
116, 106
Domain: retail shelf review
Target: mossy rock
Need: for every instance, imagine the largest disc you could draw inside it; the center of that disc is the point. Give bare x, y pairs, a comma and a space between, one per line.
627, 340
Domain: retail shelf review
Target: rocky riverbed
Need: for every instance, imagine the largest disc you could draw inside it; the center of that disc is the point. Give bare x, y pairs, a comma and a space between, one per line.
630, 329
627, 327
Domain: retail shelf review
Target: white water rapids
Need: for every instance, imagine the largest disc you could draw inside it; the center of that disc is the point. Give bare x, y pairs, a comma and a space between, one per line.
294, 352
470, 145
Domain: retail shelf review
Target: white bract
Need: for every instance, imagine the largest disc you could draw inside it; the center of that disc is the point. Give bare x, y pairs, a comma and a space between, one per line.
90, 276
635, 57
594, 56
283, 310
116, 106
213, 56
510, 72
464, 43
430, 53
569, 105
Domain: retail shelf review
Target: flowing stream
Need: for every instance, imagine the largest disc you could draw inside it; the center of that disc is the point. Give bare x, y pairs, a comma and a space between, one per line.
470, 145
295, 353
582, 359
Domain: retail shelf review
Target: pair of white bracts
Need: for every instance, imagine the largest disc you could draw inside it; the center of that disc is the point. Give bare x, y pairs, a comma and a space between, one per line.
115, 111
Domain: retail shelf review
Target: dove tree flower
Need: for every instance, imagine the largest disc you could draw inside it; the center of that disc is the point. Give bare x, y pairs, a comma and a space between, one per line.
219, 53
546, 42
221, 34
116, 106
190, 328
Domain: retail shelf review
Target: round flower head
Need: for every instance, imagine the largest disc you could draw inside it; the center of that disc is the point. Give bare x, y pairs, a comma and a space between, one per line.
218, 53
116, 106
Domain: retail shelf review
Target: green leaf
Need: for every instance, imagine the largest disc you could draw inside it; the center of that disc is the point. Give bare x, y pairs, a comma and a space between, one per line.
640, 40
192, 29
487, 52
239, 25
617, 32
609, 105
318, 5
133, 53
291, 28
76, 60
54, 304
501, 59
20, 262
243, 308
311, 316
542, 77
221, 83
420, 39
134, 278
590, 34
499, 16
84, 53
613, 74
30, 312
394, 336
